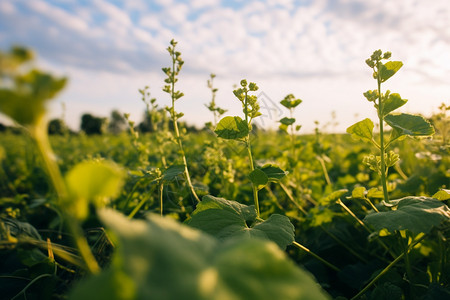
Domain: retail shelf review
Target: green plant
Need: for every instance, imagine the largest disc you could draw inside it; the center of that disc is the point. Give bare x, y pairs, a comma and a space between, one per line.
385, 103
172, 73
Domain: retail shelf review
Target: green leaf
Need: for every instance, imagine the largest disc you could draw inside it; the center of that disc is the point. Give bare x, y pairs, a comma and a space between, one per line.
273, 172
359, 192
258, 178
406, 124
172, 172
393, 102
362, 130
442, 195
92, 181
290, 102
333, 196
232, 128
287, 121
159, 258
416, 214
224, 219
388, 69
375, 193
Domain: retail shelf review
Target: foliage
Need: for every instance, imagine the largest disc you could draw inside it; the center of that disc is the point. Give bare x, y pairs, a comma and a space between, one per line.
282, 215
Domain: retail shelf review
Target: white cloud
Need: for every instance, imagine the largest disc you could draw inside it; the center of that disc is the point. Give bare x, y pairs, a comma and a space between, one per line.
316, 49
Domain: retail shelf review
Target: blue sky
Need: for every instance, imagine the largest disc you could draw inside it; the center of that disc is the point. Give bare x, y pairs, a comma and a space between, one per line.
315, 49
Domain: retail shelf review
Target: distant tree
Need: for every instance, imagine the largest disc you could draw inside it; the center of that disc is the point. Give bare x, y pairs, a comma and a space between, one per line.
57, 126
92, 125
116, 123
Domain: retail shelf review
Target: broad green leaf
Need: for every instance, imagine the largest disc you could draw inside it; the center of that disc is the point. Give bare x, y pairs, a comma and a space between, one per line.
334, 196
362, 130
258, 178
232, 128
92, 181
416, 214
172, 172
159, 258
406, 124
273, 172
442, 195
290, 103
224, 219
388, 69
25, 102
287, 121
359, 192
393, 102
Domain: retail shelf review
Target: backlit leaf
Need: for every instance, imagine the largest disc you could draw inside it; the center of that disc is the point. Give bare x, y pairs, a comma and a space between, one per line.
406, 124
362, 130
232, 128
92, 181
388, 69
442, 195
393, 102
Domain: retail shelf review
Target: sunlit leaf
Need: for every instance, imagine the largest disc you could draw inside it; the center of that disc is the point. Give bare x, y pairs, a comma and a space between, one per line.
442, 195
92, 181
25, 102
393, 102
388, 69
232, 128
362, 130
334, 196
359, 192
416, 214
406, 124
225, 218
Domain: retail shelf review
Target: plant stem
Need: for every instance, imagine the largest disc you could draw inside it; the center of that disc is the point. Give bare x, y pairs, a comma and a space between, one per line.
177, 132
385, 270
39, 134
382, 148
324, 169
288, 194
300, 246
160, 192
252, 168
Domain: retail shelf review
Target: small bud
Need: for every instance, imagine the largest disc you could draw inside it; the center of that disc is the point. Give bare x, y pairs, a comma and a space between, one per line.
243, 83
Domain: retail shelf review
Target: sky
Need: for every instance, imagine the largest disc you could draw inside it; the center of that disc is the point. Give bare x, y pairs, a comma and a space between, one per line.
314, 49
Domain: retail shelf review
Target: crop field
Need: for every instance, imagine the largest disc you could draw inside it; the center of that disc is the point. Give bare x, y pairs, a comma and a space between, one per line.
227, 212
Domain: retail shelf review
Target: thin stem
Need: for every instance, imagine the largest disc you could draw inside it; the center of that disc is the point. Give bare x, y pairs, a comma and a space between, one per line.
288, 194
177, 132
382, 148
363, 225
252, 168
324, 169
300, 246
385, 270
160, 192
